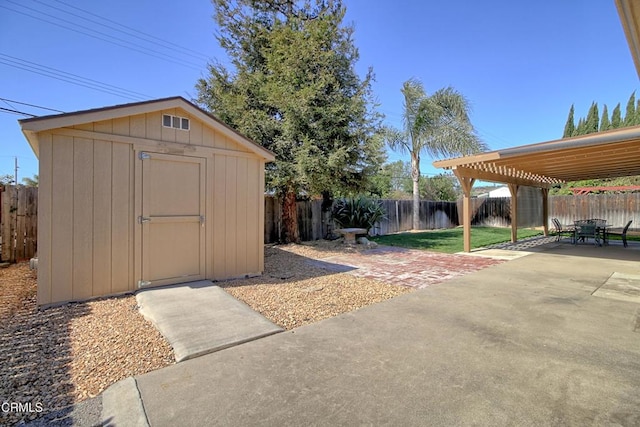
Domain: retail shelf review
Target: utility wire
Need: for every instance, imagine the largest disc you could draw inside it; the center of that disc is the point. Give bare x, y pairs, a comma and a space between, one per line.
135, 47
70, 78
55, 73
6, 102
11, 111
30, 105
147, 37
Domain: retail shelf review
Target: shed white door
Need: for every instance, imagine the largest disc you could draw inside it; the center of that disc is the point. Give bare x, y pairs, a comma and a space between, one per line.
173, 222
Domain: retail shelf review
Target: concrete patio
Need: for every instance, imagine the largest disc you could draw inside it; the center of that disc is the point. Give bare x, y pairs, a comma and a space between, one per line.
524, 342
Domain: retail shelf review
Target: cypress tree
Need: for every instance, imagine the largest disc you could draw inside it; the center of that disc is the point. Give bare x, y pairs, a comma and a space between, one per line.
616, 118
637, 121
581, 129
570, 126
630, 114
592, 121
605, 124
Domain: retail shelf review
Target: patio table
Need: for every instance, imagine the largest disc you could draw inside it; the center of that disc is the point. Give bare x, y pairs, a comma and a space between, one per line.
605, 236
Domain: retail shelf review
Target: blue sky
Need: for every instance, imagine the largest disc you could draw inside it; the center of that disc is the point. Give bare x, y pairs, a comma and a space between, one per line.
520, 64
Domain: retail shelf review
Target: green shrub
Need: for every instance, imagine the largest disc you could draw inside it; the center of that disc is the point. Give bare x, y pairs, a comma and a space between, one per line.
357, 212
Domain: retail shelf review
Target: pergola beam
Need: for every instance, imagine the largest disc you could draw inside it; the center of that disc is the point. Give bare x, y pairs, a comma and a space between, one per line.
496, 177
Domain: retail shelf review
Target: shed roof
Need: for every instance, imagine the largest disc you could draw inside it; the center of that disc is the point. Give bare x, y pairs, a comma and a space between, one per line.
31, 126
608, 154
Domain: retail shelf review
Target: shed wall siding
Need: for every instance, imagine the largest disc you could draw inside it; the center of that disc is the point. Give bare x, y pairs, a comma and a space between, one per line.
149, 126
87, 214
237, 207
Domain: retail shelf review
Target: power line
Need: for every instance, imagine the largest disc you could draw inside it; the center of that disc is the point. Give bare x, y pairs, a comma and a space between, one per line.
135, 47
11, 111
70, 78
30, 105
148, 36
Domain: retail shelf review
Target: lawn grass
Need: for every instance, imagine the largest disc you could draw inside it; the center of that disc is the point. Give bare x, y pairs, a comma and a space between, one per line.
450, 240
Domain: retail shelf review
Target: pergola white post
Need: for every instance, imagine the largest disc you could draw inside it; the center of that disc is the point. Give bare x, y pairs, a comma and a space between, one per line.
513, 189
545, 210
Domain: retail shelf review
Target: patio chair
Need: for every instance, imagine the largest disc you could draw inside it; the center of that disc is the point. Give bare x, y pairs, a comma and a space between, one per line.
560, 230
586, 229
622, 233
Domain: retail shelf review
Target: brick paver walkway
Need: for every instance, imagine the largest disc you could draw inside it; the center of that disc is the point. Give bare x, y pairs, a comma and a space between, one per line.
407, 267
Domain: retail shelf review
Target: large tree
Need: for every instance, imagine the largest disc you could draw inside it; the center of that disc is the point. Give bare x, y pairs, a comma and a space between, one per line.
293, 88
570, 125
605, 123
630, 114
437, 125
592, 123
616, 117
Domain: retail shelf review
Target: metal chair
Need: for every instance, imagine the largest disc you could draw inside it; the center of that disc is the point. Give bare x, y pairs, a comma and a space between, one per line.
622, 233
585, 229
560, 230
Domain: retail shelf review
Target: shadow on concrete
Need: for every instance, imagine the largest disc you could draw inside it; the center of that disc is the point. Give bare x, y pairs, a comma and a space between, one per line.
613, 250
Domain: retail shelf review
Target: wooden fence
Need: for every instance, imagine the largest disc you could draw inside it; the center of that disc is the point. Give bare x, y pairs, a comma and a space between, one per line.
617, 209
18, 215
18, 222
496, 211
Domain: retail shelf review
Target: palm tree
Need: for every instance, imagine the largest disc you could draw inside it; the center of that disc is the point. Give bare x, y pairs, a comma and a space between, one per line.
31, 182
438, 125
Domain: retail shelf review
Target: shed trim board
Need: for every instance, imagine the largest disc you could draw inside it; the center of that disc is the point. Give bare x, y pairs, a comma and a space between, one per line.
37, 124
609, 154
150, 145
126, 202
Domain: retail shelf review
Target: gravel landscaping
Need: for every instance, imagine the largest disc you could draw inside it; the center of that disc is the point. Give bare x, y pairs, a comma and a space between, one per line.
59, 356
55, 357
292, 293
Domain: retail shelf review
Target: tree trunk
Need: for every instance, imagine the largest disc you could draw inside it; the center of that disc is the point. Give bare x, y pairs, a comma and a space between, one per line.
290, 217
415, 176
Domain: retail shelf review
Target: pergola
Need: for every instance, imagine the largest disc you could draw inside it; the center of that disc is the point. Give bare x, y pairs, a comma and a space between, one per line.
608, 154
602, 155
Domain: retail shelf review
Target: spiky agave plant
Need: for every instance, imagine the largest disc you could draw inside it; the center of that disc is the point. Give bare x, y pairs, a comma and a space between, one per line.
357, 212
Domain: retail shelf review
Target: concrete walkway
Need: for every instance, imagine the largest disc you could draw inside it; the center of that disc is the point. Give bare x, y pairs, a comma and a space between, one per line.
199, 317
521, 343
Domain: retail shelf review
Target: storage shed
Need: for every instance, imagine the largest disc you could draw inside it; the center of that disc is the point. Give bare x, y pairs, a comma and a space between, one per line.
144, 194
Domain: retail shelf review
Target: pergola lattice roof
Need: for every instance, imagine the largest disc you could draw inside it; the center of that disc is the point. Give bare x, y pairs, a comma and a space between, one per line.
608, 154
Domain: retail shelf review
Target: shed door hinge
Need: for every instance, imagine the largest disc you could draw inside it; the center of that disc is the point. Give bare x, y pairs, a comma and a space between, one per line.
143, 156
143, 219
142, 283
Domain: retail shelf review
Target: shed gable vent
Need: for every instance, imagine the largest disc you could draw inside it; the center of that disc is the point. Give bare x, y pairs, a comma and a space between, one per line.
175, 122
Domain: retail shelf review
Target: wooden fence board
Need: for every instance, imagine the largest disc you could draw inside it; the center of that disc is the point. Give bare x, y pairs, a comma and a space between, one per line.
617, 209
5, 224
18, 223
19, 205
